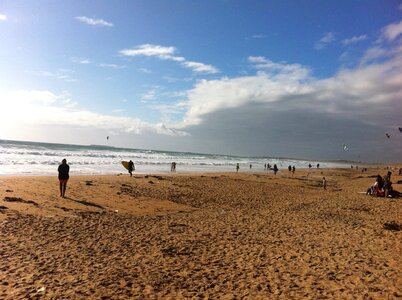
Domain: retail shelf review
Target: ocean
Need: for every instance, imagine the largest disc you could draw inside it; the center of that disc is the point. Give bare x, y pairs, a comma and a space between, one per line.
32, 158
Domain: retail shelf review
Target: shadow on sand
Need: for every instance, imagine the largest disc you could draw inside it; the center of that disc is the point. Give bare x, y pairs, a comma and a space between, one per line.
87, 203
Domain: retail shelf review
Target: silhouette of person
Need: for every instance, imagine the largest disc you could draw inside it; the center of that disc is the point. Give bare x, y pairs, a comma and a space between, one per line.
131, 168
63, 170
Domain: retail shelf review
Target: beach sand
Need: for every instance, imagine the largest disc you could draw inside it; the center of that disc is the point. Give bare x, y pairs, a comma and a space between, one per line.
208, 236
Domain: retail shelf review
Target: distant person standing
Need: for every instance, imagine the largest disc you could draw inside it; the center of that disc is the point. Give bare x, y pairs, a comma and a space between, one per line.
324, 183
237, 167
289, 168
265, 167
293, 170
387, 183
318, 166
275, 169
251, 166
64, 170
131, 168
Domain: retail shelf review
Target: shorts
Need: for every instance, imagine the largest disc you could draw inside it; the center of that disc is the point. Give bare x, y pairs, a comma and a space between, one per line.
63, 181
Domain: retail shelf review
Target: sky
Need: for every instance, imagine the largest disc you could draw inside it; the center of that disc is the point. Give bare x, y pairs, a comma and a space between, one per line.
306, 79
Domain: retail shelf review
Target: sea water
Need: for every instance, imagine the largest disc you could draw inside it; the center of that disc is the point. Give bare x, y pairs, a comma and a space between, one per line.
32, 158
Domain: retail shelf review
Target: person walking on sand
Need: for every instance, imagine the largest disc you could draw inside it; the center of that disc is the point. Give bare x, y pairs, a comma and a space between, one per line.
64, 170
324, 183
293, 170
237, 167
275, 169
131, 168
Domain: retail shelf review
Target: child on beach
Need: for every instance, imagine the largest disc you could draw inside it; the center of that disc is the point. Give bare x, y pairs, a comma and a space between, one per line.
324, 183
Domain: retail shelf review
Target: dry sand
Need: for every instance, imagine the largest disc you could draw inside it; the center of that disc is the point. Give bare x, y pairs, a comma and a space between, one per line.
211, 236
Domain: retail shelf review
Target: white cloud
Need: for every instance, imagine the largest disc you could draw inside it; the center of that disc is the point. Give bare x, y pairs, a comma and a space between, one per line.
3, 17
79, 60
327, 39
94, 22
259, 36
167, 53
392, 31
354, 39
200, 67
36, 107
373, 54
291, 71
112, 66
61, 74
148, 96
145, 70
351, 92
149, 50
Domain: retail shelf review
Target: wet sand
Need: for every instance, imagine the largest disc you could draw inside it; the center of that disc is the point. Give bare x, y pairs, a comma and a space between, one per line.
210, 236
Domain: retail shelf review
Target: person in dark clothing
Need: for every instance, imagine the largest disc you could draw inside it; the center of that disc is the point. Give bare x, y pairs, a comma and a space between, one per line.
275, 169
387, 184
131, 168
64, 170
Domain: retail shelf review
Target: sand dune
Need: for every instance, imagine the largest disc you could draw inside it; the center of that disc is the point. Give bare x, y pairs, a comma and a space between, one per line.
227, 236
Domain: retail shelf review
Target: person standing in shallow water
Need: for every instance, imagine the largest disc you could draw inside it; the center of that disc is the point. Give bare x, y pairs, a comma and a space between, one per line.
64, 170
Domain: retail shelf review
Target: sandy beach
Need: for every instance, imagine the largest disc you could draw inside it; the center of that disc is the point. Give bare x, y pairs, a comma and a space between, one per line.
200, 236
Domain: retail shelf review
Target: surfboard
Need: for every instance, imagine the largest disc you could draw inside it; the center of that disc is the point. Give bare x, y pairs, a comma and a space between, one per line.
125, 164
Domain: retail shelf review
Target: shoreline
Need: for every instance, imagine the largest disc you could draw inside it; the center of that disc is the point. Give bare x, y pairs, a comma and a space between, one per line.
203, 170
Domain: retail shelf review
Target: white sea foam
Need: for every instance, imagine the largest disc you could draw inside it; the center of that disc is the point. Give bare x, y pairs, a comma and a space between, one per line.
22, 158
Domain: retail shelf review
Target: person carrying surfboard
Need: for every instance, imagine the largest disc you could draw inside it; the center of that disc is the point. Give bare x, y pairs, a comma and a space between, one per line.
131, 168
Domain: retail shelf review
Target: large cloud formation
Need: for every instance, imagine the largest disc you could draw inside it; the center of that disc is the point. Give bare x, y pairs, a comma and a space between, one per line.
284, 111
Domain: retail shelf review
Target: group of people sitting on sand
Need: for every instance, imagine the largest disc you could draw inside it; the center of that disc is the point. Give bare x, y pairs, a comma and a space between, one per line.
382, 187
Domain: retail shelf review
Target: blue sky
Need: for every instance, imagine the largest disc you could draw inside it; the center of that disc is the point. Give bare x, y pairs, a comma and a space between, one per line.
271, 78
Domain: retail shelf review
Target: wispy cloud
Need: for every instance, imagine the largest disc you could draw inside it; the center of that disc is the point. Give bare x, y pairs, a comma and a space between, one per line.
61, 74
200, 67
80, 60
118, 110
279, 69
149, 50
327, 39
3, 17
392, 31
259, 36
167, 53
112, 66
149, 95
354, 39
94, 22
145, 70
